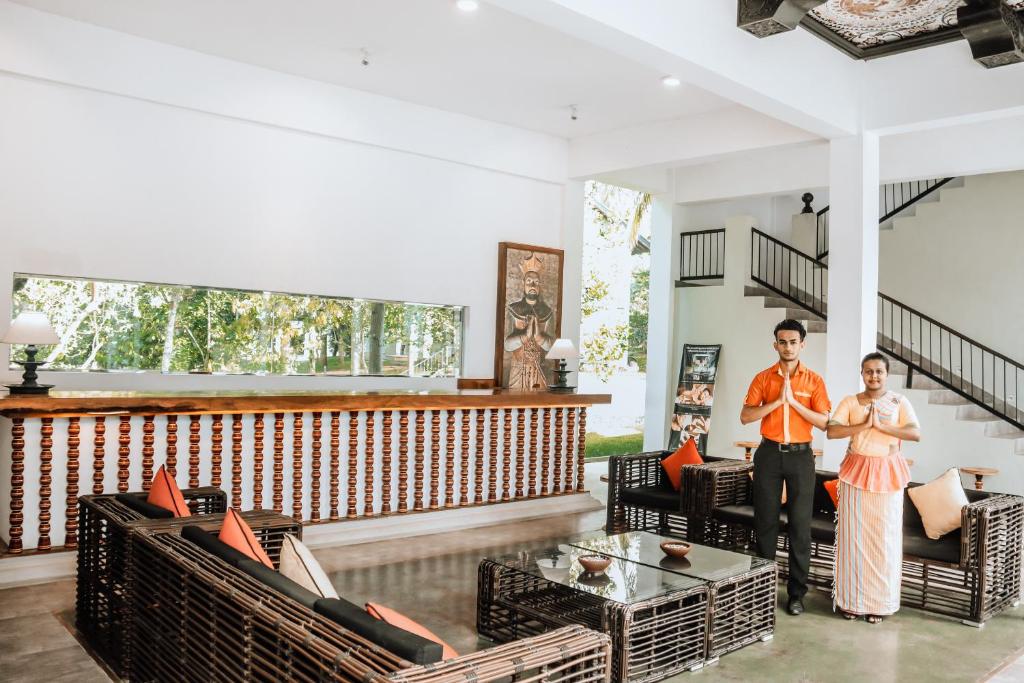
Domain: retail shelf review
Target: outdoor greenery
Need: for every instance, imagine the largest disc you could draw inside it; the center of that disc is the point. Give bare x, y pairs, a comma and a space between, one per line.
131, 326
599, 446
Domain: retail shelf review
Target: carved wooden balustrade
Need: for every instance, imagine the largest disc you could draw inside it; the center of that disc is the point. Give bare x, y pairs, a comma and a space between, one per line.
482, 447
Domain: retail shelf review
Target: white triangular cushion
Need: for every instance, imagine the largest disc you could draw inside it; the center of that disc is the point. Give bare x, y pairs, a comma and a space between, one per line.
299, 565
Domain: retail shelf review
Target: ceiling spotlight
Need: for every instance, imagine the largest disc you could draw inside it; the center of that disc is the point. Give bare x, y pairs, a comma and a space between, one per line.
467, 5
573, 112
365, 61
670, 82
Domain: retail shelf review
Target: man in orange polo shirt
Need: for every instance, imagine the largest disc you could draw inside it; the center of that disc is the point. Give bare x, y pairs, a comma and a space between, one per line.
788, 399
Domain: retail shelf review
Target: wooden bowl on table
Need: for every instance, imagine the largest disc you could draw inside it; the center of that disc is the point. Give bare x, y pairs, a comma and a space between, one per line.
675, 549
594, 564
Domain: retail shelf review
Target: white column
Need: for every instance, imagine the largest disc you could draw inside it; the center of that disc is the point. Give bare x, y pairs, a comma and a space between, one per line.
572, 275
661, 379
852, 269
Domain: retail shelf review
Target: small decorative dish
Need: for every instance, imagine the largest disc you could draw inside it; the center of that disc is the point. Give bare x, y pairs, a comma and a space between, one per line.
675, 549
594, 564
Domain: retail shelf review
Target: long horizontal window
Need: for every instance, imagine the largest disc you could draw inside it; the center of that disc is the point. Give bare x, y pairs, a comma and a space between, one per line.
114, 326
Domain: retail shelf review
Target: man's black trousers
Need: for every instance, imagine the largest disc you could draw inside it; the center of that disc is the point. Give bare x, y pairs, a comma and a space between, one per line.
796, 468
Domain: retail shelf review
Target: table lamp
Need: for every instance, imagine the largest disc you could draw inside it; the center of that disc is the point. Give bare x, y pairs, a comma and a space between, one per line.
32, 328
561, 351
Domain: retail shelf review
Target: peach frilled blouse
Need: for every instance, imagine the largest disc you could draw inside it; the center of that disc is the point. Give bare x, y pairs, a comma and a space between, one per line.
873, 460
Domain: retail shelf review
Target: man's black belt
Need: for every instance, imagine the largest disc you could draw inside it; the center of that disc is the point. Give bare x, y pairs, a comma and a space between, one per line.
786, 447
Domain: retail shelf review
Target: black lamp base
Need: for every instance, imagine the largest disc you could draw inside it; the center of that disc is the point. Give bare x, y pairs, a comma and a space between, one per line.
23, 389
561, 389
561, 374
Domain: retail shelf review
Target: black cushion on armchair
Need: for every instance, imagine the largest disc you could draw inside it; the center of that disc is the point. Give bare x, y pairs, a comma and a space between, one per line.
416, 649
661, 496
137, 502
213, 545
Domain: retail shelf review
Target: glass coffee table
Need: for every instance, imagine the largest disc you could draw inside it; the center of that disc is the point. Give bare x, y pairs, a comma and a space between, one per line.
662, 617
741, 588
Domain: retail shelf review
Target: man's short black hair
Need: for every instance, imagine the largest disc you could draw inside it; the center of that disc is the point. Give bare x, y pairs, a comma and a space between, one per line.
792, 325
875, 355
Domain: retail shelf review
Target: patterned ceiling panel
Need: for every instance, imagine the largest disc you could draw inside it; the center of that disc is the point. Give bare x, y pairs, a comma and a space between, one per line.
867, 23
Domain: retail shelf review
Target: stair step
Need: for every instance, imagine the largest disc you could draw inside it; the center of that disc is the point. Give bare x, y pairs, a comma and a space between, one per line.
1018, 447
975, 413
1003, 430
946, 397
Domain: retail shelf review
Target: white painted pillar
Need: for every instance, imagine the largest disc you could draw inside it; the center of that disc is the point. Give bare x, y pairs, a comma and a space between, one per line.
572, 275
661, 380
852, 269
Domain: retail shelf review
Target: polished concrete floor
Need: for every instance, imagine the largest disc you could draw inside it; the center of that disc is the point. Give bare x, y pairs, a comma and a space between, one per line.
433, 580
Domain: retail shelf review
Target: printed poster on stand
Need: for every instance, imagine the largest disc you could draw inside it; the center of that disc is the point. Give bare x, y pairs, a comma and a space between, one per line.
691, 416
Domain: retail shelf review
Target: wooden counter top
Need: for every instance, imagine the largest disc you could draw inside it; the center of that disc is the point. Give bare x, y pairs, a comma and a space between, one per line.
70, 403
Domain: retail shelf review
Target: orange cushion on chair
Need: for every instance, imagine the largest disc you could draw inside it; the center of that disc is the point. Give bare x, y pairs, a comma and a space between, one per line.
237, 534
403, 622
832, 486
686, 454
164, 493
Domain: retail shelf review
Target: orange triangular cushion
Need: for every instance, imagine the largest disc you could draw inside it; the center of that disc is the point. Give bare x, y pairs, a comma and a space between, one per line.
403, 622
237, 534
164, 492
832, 486
686, 454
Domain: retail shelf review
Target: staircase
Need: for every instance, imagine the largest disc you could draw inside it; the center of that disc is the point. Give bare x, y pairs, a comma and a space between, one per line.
982, 385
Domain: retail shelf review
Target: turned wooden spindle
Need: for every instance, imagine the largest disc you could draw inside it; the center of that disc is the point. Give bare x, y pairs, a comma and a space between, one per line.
216, 449
124, 439
45, 479
385, 472
581, 452
478, 456
257, 461
570, 441
236, 461
403, 460
532, 476
148, 427
17, 484
297, 467
492, 452
449, 461
278, 462
368, 465
506, 456
71, 502
98, 442
193, 451
417, 492
556, 486
171, 459
335, 461
545, 450
353, 456
520, 451
435, 456
314, 481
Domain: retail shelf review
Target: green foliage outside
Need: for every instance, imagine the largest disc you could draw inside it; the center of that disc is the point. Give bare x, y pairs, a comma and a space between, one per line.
599, 446
127, 326
639, 295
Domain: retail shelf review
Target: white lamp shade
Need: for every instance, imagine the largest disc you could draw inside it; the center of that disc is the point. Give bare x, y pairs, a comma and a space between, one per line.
562, 349
31, 327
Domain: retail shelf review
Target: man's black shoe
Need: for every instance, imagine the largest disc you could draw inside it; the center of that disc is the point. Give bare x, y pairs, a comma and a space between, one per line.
795, 606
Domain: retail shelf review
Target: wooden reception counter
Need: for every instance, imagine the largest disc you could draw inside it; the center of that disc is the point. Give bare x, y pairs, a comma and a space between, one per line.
407, 451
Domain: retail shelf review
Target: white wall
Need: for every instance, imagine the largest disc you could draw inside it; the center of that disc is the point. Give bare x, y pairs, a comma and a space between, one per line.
961, 260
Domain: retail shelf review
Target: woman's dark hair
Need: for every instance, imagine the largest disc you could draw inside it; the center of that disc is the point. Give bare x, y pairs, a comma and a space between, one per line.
791, 325
875, 356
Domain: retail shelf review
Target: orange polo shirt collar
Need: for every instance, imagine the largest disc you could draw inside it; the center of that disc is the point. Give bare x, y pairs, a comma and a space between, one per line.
785, 424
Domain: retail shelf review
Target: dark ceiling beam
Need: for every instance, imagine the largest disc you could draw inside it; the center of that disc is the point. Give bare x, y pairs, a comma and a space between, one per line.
764, 18
994, 32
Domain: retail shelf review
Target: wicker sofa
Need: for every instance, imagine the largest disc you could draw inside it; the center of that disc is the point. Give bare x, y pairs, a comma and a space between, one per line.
971, 574
205, 616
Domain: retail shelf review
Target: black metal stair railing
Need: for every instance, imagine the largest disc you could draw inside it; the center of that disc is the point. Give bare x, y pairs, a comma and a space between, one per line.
701, 255
959, 363
893, 199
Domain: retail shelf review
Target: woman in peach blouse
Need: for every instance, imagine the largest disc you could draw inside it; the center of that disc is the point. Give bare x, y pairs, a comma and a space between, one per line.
869, 528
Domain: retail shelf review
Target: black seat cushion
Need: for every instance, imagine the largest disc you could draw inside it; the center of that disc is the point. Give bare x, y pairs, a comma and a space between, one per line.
138, 503
660, 497
406, 645
945, 549
735, 514
823, 528
282, 584
214, 545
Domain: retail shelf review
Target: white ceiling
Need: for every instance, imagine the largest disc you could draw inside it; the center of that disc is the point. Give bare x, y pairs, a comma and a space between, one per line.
489, 64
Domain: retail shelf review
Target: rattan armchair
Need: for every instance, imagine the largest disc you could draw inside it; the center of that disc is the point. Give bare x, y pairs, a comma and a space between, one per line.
206, 620
105, 579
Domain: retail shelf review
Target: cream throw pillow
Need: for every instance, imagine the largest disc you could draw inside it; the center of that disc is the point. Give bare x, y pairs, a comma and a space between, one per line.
939, 502
299, 565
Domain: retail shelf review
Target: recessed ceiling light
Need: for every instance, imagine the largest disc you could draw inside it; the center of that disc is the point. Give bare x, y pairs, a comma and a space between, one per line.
670, 82
467, 5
